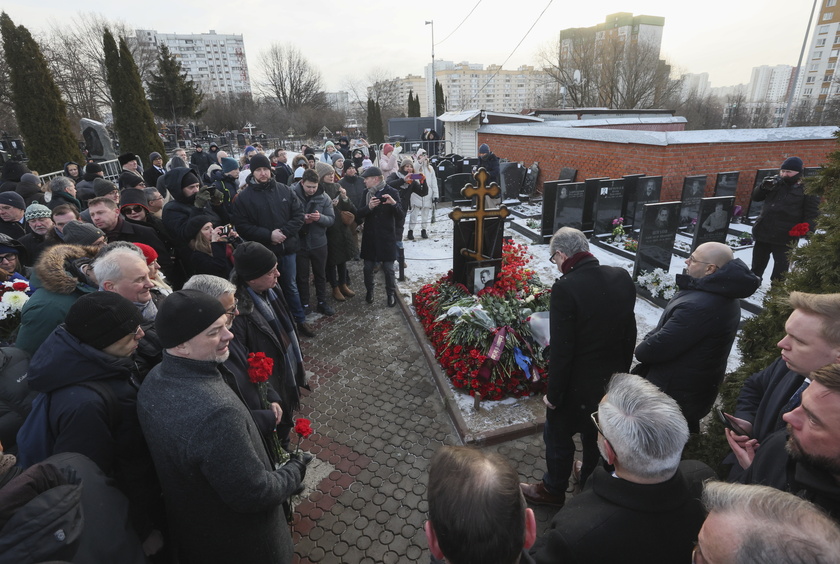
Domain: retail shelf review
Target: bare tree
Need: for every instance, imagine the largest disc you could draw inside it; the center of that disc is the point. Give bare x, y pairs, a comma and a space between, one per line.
701, 110
290, 78
736, 113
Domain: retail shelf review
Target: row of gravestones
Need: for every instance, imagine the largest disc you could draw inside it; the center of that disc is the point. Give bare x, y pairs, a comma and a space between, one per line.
454, 172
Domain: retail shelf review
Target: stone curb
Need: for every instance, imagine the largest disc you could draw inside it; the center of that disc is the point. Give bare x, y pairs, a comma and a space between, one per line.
484, 438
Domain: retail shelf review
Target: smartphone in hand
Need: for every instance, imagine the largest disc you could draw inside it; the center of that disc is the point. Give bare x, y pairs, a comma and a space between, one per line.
730, 424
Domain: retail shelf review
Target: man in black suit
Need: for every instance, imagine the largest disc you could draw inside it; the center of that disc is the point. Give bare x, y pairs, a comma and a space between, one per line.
593, 332
648, 509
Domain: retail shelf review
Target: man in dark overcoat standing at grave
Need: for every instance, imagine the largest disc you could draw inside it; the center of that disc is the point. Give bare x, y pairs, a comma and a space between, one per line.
685, 355
785, 206
593, 332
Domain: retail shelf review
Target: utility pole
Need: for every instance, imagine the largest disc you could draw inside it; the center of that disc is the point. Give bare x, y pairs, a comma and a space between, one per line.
798, 67
434, 84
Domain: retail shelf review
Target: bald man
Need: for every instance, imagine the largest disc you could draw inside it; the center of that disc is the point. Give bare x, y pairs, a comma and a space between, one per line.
685, 355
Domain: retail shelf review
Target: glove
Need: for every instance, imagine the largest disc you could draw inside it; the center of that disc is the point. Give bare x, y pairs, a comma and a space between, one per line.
203, 197
218, 197
297, 461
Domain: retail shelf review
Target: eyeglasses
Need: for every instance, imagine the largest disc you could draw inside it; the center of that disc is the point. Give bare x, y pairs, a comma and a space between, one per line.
553, 260
232, 312
10, 257
594, 417
133, 209
138, 333
692, 259
697, 555
156, 199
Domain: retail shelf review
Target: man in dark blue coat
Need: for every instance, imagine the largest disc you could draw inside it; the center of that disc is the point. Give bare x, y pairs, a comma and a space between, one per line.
685, 355
593, 332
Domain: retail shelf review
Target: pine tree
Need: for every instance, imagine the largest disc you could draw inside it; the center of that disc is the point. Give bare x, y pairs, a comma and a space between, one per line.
172, 95
39, 109
374, 122
440, 102
413, 104
133, 119
380, 134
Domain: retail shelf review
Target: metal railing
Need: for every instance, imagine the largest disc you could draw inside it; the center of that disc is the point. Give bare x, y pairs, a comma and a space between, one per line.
112, 170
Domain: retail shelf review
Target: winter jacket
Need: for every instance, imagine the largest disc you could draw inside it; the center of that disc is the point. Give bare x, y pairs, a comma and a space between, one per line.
398, 182
178, 212
261, 208
217, 264
382, 226
201, 161
784, 207
389, 163
59, 198
84, 189
686, 354
77, 178
341, 241
425, 168
490, 162
34, 245
355, 186
12, 171
15, 395
60, 283
314, 235
222, 495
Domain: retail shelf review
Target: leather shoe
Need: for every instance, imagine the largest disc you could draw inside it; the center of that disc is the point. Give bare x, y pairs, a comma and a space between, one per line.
305, 329
392, 300
536, 494
369, 296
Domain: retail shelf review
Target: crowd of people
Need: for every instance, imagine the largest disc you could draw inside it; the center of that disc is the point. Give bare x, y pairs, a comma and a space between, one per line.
192, 280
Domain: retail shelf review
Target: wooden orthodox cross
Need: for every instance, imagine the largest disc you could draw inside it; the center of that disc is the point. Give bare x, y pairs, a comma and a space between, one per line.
480, 214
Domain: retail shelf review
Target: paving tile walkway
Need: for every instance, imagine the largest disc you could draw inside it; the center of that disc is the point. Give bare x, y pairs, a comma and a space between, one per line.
378, 419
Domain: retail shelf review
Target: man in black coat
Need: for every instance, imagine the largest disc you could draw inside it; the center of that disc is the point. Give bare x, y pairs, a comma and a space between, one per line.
201, 160
106, 216
269, 213
151, 174
593, 332
383, 218
282, 170
785, 205
12, 209
39, 219
805, 458
811, 342
649, 509
685, 355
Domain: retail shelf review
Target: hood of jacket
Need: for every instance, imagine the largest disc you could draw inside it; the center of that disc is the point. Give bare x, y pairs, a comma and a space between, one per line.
57, 269
13, 170
64, 361
732, 280
27, 189
172, 182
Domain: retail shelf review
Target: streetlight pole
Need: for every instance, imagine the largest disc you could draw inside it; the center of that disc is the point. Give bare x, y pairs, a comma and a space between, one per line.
434, 85
798, 67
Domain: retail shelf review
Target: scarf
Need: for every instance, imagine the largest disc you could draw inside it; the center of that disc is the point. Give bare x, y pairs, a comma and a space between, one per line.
572, 261
148, 310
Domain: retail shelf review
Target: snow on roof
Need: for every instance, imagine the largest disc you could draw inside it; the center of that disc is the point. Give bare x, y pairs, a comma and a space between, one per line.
561, 129
467, 115
632, 120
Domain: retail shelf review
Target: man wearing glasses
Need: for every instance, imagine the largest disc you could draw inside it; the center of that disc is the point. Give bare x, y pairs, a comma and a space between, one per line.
593, 332
686, 354
648, 509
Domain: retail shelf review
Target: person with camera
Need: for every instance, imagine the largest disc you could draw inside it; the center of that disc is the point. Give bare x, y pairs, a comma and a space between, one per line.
785, 206
409, 184
212, 247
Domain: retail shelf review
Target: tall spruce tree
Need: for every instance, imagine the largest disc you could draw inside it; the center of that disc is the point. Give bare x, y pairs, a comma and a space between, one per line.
413, 104
39, 109
172, 94
440, 102
374, 122
133, 118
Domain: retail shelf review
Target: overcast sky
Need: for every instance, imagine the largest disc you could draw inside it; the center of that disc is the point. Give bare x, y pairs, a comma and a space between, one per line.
725, 38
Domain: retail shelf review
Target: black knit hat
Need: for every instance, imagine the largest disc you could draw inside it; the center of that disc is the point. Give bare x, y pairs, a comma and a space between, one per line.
133, 198
131, 180
12, 199
259, 161
792, 163
100, 319
78, 233
102, 187
184, 314
194, 226
93, 168
189, 179
251, 260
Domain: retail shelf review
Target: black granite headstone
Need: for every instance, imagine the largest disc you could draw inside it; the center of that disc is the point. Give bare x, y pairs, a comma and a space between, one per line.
754, 209
511, 175
593, 188
550, 190
713, 222
692, 192
648, 189
532, 174
568, 209
568, 173
452, 186
608, 205
467, 165
656, 240
726, 183
631, 181
463, 238
811, 171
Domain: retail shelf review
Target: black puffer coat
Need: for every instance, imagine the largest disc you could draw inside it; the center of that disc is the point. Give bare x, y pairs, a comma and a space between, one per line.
178, 212
784, 207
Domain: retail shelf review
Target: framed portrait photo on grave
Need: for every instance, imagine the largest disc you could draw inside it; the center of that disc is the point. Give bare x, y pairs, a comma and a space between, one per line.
482, 274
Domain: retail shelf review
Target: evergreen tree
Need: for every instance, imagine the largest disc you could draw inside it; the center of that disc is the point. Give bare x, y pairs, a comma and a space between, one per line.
172, 95
39, 109
440, 102
133, 119
374, 122
380, 132
413, 104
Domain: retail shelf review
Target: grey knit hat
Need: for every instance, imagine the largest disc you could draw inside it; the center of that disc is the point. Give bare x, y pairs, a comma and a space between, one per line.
36, 210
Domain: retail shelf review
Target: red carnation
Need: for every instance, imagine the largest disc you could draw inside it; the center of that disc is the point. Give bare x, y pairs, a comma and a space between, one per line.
20, 286
799, 230
302, 427
259, 367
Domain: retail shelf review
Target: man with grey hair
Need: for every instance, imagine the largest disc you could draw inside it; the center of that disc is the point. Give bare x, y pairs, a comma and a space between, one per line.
593, 332
63, 191
758, 524
648, 509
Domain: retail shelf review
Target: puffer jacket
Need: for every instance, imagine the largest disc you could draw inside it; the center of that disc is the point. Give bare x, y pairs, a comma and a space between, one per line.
314, 235
784, 207
259, 209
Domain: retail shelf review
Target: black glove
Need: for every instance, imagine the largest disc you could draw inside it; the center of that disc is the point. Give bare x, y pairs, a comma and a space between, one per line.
300, 461
770, 183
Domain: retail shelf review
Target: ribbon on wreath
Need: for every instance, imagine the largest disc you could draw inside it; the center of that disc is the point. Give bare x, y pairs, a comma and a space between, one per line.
493, 354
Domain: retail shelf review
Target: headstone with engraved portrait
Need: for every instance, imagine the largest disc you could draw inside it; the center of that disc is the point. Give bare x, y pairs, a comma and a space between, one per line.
713, 221
693, 190
754, 208
726, 183
464, 238
511, 177
568, 209
608, 205
593, 188
656, 239
550, 190
648, 189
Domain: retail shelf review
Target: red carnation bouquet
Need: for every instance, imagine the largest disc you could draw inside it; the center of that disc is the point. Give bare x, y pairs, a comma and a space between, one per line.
259, 370
799, 230
303, 428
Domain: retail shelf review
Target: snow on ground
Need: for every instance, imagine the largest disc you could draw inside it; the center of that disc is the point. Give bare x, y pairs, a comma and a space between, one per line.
429, 259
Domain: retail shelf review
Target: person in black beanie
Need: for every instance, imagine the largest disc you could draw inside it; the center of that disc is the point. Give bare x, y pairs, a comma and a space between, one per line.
86, 369
12, 210
785, 206
84, 187
223, 493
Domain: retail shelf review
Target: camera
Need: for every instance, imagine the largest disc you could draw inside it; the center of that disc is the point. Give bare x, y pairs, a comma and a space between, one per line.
226, 230
771, 183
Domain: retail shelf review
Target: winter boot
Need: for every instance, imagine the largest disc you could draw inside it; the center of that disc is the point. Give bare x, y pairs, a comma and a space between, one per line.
423, 234
410, 235
345, 289
337, 295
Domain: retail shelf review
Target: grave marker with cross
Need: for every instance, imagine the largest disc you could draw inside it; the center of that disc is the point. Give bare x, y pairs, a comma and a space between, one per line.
479, 214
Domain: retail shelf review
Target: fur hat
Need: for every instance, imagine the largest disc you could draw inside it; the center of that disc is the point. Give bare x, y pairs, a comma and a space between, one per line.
185, 314
126, 158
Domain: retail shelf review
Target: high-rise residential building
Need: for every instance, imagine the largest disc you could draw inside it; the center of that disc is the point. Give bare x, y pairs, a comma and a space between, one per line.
216, 62
622, 25
770, 84
696, 84
467, 86
817, 81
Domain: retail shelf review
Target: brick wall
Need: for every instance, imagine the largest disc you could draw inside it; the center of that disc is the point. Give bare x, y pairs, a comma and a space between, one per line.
673, 162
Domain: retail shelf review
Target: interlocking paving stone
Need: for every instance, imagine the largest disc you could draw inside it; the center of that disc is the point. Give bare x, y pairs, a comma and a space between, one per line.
378, 419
